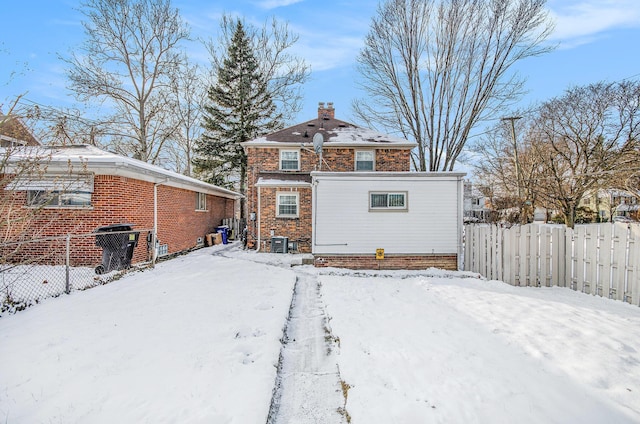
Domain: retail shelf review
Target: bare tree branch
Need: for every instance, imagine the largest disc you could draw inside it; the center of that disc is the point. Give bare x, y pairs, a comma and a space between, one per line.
127, 61
433, 70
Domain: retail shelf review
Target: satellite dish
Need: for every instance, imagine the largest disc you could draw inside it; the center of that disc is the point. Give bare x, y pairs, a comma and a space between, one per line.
318, 141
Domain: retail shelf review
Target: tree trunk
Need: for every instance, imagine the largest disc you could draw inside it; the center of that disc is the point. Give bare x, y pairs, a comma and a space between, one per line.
570, 216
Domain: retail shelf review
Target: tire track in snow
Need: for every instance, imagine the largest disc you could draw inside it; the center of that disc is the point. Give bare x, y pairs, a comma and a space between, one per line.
307, 388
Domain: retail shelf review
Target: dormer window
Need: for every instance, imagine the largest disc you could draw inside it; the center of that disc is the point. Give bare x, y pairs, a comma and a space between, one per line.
364, 160
289, 160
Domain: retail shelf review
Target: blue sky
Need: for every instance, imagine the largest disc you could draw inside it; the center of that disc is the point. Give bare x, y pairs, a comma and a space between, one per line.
598, 40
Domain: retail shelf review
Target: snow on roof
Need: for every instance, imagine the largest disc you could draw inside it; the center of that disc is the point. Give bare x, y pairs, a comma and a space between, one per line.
361, 135
275, 182
335, 133
103, 162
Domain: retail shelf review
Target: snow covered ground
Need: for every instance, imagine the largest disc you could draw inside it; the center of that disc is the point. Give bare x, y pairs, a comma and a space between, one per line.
197, 339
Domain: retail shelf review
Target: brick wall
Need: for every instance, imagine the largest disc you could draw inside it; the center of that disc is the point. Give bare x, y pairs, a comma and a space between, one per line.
449, 262
387, 160
336, 160
180, 225
118, 200
296, 229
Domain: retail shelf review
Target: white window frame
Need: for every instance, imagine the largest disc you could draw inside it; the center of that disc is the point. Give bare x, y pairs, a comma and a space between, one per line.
201, 201
283, 152
56, 199
388, 207
373, 160
278, 203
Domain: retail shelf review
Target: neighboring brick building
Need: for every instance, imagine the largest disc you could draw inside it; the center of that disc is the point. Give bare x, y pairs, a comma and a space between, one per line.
285, 168
92, 188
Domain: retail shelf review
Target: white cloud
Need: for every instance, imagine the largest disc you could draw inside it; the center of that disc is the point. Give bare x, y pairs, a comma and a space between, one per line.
579, 22
327, 47
272, 4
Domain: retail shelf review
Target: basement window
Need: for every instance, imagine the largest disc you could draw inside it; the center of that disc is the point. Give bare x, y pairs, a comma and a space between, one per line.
388, 201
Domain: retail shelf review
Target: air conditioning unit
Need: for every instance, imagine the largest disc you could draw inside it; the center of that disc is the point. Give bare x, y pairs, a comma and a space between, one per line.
279, 244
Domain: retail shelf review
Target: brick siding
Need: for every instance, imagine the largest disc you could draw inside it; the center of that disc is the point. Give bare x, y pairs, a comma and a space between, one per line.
296, 229
390, 262
118, 200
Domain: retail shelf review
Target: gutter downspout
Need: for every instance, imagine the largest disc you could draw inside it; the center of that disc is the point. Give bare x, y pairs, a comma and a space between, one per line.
154, 237
460, 213
258, 218
314, 212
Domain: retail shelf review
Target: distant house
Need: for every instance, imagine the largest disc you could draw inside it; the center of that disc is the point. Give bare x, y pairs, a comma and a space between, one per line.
13, 132
350, 198
80, 188
611, 203
475, 204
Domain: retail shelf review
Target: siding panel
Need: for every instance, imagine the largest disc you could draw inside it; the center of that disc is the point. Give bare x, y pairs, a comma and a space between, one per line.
344, 224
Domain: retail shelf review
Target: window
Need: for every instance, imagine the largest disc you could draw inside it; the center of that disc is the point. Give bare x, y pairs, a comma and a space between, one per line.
289, 160
58, 199
364, 161
201, 202
287, 205
388, 201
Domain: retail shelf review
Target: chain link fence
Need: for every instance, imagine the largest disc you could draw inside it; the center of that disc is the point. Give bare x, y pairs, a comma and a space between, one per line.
33, 270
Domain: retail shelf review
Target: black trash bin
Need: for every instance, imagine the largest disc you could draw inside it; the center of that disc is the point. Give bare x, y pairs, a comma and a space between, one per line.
118, 242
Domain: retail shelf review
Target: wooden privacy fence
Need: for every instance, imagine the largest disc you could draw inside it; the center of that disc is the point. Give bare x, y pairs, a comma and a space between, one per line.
599, 259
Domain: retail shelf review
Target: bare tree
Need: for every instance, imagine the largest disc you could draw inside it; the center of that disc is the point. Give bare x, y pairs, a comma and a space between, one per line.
587, 140
127, 61
189, 88
632, 180
61, 126
433, 69
285, 73
25, 163
511, 167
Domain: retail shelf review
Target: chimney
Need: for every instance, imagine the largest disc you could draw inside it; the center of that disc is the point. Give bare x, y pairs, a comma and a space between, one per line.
325, 113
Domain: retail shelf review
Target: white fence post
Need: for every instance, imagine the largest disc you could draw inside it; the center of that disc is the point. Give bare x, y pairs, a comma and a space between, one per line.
67, 284
633, 265
619, 241
545, 257
558, 255
579, 254
604, 260
523, 247
532, 256
499, 258
468, 247
591, 258
515, 255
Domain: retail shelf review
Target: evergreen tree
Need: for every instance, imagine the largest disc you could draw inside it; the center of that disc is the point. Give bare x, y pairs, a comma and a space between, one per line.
240, 108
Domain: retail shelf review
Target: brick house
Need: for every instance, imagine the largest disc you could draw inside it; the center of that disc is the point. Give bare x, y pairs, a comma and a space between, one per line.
86, 188
351, 198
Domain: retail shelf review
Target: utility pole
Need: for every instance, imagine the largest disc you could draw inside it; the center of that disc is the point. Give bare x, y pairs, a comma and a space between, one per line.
513, 119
